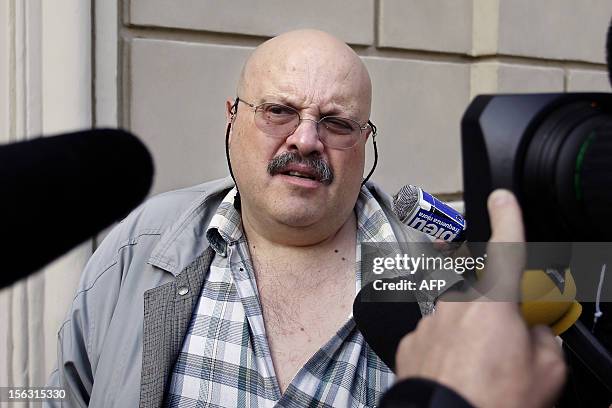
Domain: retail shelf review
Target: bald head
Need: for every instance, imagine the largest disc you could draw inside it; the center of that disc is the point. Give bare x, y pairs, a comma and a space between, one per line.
314, 61
316, 75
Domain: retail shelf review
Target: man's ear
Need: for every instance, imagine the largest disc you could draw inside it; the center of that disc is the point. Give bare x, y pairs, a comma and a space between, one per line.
371, 131
229, 110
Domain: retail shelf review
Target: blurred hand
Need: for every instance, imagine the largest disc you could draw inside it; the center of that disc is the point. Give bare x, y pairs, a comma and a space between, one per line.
446, 248
483, 349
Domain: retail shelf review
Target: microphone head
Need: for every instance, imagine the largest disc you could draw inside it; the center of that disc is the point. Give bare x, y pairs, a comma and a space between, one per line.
405, 201
59, 191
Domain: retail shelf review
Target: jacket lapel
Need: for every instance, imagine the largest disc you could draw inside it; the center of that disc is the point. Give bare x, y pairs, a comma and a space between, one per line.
167, 314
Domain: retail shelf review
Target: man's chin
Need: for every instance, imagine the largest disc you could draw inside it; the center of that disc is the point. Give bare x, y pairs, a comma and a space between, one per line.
298, 215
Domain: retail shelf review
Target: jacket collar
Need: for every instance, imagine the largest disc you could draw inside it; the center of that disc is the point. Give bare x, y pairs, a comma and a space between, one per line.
185, 240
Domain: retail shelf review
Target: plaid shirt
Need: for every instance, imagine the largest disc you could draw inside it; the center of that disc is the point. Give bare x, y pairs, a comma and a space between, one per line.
225, 360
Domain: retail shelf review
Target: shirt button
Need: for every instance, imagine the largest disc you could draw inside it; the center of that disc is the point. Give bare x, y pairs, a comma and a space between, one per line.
183, 290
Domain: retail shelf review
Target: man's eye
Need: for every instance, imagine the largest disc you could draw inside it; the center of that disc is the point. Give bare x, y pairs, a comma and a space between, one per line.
279, 110
339, 125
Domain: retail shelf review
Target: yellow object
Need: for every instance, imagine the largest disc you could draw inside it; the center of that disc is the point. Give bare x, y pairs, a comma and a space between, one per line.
543, 302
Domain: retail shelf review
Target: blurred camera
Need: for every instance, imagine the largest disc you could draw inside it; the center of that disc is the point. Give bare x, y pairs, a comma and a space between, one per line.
554, 151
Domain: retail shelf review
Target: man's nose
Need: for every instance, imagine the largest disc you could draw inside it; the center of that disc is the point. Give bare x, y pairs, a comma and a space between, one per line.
306, 138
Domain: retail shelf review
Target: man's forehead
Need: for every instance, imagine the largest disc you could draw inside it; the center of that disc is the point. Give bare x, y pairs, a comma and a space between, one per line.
309, 64
328, 72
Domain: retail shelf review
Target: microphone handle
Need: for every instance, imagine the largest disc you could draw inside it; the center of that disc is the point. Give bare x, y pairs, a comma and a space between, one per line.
590, 352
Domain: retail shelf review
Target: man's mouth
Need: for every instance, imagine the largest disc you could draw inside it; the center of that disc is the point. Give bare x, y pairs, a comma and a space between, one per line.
300, 175
293, 165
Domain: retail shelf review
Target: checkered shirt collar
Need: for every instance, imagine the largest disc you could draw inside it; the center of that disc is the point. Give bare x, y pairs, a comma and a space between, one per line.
226, 225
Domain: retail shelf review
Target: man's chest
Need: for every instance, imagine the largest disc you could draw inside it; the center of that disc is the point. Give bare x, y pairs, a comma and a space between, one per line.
226, 358
303, 307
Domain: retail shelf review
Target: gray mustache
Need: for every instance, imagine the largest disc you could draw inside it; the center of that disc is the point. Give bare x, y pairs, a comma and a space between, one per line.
320, 168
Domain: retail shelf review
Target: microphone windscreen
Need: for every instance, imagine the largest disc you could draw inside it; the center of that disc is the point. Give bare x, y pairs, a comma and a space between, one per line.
405, 201
59, 191
384, 319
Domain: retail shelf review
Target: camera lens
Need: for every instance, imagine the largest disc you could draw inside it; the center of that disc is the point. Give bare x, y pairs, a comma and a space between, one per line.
567, 174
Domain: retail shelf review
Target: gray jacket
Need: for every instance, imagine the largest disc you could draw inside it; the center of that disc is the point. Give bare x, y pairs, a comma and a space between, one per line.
135, 299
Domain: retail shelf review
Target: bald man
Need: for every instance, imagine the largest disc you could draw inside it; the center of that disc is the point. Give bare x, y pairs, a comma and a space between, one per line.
297, 149
238, 292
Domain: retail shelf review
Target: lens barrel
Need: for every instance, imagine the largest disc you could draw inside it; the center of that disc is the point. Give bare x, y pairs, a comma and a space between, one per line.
595, 177
554, 151
567, 174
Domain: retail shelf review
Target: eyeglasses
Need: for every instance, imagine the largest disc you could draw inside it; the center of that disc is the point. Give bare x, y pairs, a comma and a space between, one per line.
280, 121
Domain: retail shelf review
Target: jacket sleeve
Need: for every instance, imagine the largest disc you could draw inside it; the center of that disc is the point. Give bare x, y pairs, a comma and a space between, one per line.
73, 371
79, 335
422, 393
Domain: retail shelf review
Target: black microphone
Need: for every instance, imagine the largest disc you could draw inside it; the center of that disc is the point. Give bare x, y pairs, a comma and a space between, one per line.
56, 192
384, 318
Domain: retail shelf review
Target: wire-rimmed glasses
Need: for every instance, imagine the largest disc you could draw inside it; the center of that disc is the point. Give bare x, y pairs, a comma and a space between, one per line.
280, 121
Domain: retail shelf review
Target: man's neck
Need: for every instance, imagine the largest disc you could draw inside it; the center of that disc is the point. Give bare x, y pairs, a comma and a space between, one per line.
306, 293
260, 227
310, 240
290, 269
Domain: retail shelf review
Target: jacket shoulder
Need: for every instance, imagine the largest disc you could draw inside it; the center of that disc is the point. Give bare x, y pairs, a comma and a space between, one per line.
144, 227
161, 211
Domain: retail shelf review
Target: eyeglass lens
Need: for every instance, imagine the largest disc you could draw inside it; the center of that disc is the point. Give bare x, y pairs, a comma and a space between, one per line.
281, 121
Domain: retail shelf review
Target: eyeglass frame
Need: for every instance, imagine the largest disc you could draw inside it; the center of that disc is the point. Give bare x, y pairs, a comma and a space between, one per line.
317, 122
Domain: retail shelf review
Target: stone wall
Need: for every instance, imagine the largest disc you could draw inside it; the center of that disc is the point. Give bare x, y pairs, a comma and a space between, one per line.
427, 60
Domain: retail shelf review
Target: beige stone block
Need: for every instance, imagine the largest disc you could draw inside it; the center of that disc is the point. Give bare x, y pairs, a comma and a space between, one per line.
549, 29
493, 77
5, 331
417, 106
177, 106
581, 80
434, 25
555, 29
458, 26
5, 78
485, 27
350, 20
